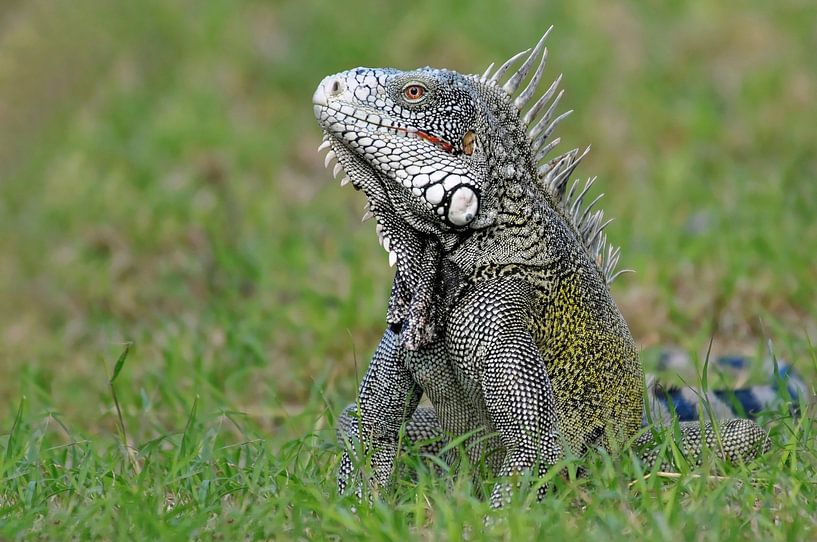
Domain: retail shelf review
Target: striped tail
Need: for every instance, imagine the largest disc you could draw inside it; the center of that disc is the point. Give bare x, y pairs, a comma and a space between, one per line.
684, 403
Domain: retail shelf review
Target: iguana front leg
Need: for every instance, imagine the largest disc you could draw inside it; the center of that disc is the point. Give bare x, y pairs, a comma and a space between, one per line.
490, 344
387, 397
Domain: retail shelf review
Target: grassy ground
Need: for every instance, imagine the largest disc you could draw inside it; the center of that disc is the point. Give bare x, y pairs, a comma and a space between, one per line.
159, 185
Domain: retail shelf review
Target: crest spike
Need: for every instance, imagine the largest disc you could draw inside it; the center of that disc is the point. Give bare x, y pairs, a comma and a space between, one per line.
550, 171
487, 72
512, 85
615, 275
537, 129
543, 137
556, 178
576, 203
507, 65
541, 153
526, 94
605, 224
590, 206
592, 232
540, 103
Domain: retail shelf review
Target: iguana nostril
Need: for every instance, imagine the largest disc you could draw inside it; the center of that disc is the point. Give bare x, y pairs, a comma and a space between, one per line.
336, 87
331, 87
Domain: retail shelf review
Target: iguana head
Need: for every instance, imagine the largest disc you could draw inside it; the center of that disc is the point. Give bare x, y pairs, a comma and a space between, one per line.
438, 153
417, 133
424, 145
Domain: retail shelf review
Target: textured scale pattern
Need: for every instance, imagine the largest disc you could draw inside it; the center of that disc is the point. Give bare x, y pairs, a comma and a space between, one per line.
500, 312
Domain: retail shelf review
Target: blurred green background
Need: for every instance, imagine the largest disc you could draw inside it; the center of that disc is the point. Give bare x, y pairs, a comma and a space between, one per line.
159, 184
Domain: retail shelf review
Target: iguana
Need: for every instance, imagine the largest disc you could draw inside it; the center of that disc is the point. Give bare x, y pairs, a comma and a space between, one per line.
500, 310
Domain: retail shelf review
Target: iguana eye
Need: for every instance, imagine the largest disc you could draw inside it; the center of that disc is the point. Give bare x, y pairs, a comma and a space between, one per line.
414, 92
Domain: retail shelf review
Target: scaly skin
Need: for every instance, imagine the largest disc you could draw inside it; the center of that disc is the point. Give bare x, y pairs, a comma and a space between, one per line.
500, 311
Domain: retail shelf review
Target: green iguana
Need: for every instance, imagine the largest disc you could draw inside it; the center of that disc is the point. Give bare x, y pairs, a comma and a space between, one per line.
500, 310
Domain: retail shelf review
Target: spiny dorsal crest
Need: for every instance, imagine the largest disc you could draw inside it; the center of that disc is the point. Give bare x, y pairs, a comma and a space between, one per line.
554, 174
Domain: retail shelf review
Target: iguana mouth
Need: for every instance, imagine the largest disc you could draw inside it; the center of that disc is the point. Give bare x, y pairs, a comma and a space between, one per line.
365, 121
438, 141
467, 146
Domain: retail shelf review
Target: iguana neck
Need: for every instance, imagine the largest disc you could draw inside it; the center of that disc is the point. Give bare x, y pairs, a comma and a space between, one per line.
514, 233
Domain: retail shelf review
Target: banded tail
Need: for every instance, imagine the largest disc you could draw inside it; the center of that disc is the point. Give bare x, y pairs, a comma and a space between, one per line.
667, 402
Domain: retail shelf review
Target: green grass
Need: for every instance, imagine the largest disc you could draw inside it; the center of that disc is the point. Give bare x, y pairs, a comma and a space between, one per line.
159, 185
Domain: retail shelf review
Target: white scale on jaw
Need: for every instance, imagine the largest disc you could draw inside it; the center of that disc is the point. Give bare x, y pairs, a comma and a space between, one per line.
463, 207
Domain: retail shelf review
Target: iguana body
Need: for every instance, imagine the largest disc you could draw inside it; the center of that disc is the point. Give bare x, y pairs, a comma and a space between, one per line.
500, 311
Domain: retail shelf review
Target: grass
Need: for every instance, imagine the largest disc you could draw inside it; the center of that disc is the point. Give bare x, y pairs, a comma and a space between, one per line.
159, 186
